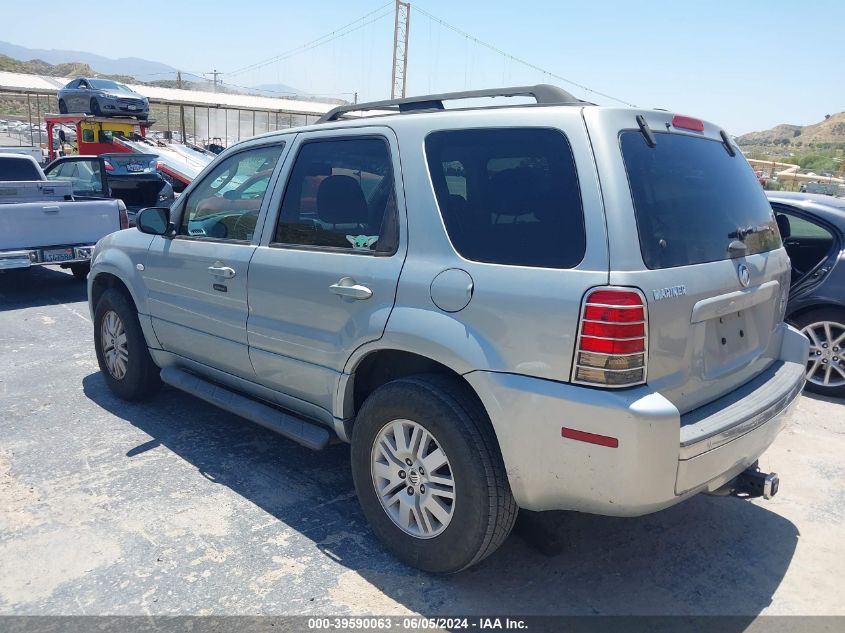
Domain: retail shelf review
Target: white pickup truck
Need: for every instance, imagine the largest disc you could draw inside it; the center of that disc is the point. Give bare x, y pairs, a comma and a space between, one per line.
41, 224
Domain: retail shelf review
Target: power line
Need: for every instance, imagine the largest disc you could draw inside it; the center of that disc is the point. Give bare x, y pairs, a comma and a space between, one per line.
325, 39
517, 59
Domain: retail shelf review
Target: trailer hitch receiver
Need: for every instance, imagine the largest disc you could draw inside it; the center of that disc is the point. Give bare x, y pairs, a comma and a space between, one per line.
752, 482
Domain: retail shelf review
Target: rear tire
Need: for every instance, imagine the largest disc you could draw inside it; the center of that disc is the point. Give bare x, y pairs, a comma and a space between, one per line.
825, 327
122, 353
62, 106
80, 271
481, 512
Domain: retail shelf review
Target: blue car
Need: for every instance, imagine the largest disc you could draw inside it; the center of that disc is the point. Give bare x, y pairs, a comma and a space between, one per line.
812, 227
102, 97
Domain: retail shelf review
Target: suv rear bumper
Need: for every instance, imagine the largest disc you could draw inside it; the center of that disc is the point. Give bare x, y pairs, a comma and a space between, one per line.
661, 458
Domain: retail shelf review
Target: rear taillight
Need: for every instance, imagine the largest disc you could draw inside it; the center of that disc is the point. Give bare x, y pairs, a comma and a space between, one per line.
124, 215
108, 165
612, 339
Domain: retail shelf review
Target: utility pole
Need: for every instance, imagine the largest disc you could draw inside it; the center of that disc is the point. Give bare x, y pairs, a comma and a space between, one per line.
214, 74
401, 32
181, 108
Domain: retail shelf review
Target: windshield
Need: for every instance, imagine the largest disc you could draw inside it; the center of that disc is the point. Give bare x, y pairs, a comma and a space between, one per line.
693, 200
105, 84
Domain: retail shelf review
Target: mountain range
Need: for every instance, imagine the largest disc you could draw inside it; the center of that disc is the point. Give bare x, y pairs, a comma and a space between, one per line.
68, 63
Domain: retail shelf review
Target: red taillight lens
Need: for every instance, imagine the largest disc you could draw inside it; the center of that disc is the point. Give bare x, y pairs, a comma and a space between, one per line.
124, 215
614, 298
612, 346
612, 339
687, 123
108, 165
614, 315
613, 330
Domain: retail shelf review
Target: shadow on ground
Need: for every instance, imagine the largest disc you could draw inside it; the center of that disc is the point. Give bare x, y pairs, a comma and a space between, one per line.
707, 556
816, 396
39, 286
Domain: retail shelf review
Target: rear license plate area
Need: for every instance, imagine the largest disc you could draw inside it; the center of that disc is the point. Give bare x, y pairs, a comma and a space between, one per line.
730, 341
57, 254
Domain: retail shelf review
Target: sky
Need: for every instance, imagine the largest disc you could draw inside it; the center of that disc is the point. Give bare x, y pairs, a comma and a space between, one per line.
746, 65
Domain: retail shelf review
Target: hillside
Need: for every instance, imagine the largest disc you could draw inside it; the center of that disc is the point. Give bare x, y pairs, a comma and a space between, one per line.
40, 67
123, 67
828, 133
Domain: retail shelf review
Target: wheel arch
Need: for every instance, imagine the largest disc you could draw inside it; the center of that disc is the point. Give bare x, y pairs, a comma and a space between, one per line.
818, 304
381, 365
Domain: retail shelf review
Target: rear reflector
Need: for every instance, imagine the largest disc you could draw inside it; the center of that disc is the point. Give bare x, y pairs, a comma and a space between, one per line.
687, 123
612, 338
591, 438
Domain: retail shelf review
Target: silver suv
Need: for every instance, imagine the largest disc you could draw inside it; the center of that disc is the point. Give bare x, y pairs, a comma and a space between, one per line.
541, 306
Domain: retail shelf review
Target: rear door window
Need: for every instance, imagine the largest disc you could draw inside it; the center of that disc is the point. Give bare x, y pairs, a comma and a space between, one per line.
509, 196
12, 169
341, 195
692, 199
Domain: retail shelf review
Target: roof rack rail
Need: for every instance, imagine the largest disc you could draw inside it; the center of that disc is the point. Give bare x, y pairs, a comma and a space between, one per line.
544, 94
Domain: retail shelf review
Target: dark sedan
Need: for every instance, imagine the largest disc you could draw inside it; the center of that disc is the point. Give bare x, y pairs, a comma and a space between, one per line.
813, 230
102, 97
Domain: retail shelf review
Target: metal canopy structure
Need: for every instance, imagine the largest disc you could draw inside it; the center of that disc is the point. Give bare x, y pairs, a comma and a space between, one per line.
23, 84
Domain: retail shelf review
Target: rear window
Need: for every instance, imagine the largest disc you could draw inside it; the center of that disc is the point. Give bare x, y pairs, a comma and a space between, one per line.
18, 169
692, 199
509, 196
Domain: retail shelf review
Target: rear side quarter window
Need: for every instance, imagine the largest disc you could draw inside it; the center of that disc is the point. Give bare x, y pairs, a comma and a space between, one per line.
509, 196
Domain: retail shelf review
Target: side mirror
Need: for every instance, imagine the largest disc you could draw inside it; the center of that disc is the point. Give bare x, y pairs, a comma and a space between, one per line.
154, 221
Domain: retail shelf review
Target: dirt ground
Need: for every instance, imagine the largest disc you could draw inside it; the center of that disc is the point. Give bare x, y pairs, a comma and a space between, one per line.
173, 507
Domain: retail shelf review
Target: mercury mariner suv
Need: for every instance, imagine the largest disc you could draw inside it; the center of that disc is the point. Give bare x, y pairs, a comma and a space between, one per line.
548, 305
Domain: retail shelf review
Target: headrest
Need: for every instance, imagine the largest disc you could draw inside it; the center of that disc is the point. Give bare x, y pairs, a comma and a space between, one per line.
341, 201
783, 226
523, 190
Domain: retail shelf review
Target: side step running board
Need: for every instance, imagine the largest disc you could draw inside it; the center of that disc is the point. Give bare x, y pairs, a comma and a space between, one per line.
294, 428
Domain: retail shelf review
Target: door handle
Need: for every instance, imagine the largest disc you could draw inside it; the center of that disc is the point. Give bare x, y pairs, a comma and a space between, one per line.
222, 271
50, 209
347, 287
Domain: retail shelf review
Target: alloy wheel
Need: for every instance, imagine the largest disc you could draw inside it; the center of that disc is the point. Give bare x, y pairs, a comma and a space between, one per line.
113, 341
826, 360
413, 479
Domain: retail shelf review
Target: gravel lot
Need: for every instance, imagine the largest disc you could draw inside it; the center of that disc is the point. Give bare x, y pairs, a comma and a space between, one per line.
174, 507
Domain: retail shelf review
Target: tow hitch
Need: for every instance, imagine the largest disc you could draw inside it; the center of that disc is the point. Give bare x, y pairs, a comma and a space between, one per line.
752, 482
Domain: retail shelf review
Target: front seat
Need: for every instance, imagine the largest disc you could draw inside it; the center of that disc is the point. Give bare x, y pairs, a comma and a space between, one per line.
340, 200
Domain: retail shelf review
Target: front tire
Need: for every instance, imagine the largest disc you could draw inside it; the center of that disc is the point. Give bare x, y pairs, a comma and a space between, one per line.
429, 474
95, 107
122, 353
825, 327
